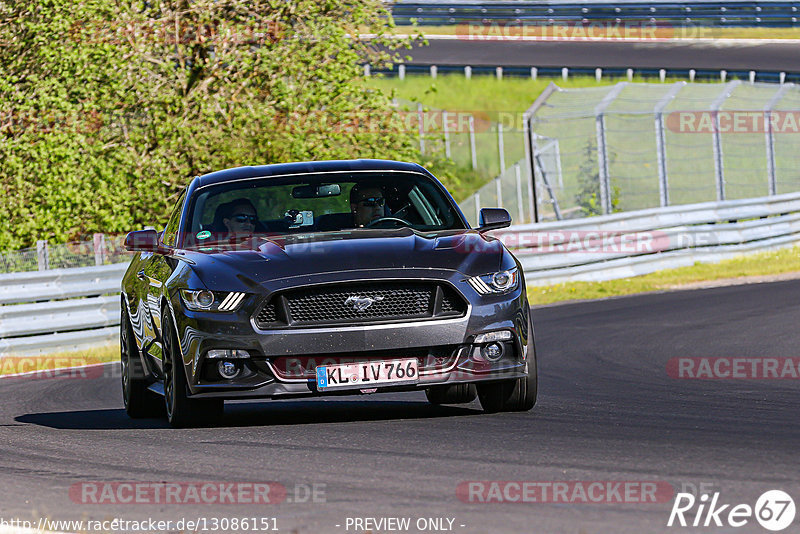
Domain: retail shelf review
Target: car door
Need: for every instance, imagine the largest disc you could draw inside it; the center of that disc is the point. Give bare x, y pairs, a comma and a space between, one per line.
154, 272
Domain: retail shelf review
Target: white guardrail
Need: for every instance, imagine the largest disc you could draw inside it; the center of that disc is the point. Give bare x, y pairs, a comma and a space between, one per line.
60, 310
634, 243
65, 310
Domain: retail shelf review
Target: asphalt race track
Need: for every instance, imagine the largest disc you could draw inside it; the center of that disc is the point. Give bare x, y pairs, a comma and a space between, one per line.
607, 411
714, 55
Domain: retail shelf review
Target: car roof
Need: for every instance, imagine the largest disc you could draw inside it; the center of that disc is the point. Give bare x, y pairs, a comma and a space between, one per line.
280, 169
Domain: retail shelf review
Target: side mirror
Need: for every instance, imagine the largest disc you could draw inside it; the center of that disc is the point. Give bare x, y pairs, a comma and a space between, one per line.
145, 241
492, 219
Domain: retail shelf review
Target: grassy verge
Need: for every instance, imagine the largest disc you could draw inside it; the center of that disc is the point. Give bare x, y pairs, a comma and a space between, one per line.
760, 264
454, 92
44, 363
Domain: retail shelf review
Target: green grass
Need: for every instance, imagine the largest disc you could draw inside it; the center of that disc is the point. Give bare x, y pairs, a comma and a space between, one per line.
47, 362
764, 263
454, 92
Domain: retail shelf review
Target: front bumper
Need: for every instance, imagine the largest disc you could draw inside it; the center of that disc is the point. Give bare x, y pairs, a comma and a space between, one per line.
282, 361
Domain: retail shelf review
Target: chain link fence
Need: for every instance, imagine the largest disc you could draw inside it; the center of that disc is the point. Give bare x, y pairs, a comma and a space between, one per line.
490, 146
101, 250
632, 146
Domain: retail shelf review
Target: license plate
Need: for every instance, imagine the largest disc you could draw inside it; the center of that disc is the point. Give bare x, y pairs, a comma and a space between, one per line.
367, 374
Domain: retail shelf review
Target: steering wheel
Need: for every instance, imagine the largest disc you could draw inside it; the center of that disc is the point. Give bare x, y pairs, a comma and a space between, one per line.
379, 220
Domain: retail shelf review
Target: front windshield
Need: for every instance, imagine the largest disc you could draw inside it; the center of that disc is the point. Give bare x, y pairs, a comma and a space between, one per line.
327, 202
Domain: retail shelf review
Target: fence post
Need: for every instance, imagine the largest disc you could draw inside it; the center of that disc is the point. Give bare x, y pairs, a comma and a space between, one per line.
99, 242
421, 119
661, 143
530, 146
499, 188
770, 137
478, 207
602, 149
446, 129
472, 143
501, 147
518, 176
719, 166
43, 255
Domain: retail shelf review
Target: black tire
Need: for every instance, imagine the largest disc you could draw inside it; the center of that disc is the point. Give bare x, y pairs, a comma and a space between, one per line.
139, 402
452, 394
183, 411
517, 395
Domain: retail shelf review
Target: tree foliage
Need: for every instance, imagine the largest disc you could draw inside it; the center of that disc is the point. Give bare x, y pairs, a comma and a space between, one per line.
108, 109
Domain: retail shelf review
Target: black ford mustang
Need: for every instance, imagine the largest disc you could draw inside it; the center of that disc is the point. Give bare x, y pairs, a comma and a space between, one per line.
323, 278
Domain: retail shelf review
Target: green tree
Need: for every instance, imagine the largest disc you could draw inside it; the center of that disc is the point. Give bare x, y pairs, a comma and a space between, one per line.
107, 109
588, 196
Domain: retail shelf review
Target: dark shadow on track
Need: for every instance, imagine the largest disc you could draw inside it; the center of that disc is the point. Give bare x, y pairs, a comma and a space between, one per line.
258, 414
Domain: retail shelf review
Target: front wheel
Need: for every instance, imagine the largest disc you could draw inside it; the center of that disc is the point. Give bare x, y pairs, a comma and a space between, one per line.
138, 400
183, 411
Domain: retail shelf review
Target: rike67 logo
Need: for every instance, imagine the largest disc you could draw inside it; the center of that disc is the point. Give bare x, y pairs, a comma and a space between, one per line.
774, 510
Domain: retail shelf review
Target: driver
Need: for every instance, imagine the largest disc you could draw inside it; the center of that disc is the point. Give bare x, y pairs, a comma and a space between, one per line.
367, 204
240, 218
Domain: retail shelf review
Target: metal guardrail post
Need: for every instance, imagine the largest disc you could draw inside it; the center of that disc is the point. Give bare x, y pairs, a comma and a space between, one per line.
602, 148
478, 207
719, 164
602, 163
446, 129
99, 243
518, 177
661, 144
421, 119
473, 151
770, 137
499, 189
501, 148
43, 255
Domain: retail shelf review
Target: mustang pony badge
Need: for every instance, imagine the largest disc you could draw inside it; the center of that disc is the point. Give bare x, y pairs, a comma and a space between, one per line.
360, 304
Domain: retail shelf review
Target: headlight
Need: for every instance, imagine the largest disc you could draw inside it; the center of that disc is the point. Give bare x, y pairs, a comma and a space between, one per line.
205, 300
495, 283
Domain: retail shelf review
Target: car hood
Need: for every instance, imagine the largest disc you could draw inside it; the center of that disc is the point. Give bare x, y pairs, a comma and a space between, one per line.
261, 260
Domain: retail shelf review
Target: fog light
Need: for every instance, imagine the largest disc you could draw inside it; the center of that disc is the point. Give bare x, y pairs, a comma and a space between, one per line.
492, 351
228, 370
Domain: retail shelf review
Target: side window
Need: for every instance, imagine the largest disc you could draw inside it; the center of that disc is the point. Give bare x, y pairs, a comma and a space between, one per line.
170, 236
